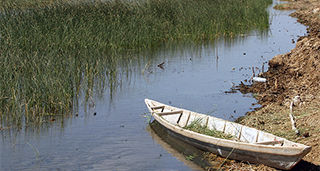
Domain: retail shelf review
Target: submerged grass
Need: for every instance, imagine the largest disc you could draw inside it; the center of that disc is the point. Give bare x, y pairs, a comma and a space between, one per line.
196, 126
50, 50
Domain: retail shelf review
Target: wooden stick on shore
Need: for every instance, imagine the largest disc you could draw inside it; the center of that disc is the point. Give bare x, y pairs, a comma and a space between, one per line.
293, 124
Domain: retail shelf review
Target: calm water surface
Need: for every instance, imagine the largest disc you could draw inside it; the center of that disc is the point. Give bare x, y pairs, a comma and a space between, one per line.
195, 77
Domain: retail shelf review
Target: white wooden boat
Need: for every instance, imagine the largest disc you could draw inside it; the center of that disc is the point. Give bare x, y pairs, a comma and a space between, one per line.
250, 145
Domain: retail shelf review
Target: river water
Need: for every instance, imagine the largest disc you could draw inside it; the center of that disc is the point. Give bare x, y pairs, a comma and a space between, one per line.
113, 134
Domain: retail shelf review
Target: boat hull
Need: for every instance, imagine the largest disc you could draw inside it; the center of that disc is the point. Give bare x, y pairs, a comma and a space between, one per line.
277, 161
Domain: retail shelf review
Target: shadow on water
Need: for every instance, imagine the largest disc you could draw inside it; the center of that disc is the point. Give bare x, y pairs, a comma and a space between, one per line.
193, 157
188, 154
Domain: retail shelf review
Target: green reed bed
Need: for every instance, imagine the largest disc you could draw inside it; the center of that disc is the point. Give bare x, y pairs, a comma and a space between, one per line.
49, 51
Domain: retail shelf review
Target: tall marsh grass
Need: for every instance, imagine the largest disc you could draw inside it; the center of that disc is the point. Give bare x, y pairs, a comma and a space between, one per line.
49, 51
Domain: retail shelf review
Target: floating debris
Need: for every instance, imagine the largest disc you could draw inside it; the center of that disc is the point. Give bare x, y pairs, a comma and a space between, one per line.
259, 79
161, 65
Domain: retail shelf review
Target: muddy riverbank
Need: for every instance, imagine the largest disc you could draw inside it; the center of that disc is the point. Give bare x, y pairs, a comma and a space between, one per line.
296, 73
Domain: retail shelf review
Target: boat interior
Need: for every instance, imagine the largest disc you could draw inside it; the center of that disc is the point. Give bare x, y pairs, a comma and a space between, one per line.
183, 118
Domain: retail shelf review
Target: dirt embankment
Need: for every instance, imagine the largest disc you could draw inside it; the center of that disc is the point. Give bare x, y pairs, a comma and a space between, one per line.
296, 73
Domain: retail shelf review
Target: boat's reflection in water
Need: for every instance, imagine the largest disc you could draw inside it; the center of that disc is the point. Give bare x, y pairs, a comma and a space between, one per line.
188, 154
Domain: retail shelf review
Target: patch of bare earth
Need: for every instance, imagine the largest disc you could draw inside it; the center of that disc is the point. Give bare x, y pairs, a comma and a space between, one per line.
296, 73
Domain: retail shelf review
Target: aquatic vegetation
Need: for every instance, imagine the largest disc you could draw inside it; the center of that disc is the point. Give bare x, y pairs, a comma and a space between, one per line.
51, 51
190, 157
196, 126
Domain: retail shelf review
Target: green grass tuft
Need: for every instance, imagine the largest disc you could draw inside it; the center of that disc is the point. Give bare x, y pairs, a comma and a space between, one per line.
196, 126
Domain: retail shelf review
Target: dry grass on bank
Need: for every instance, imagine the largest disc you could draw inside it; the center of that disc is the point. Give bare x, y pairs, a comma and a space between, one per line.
275, 119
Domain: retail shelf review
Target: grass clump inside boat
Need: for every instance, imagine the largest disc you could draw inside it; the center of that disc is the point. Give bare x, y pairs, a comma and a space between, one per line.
196, 126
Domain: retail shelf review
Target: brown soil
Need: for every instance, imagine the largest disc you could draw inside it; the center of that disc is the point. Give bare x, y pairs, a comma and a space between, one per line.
296, 73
